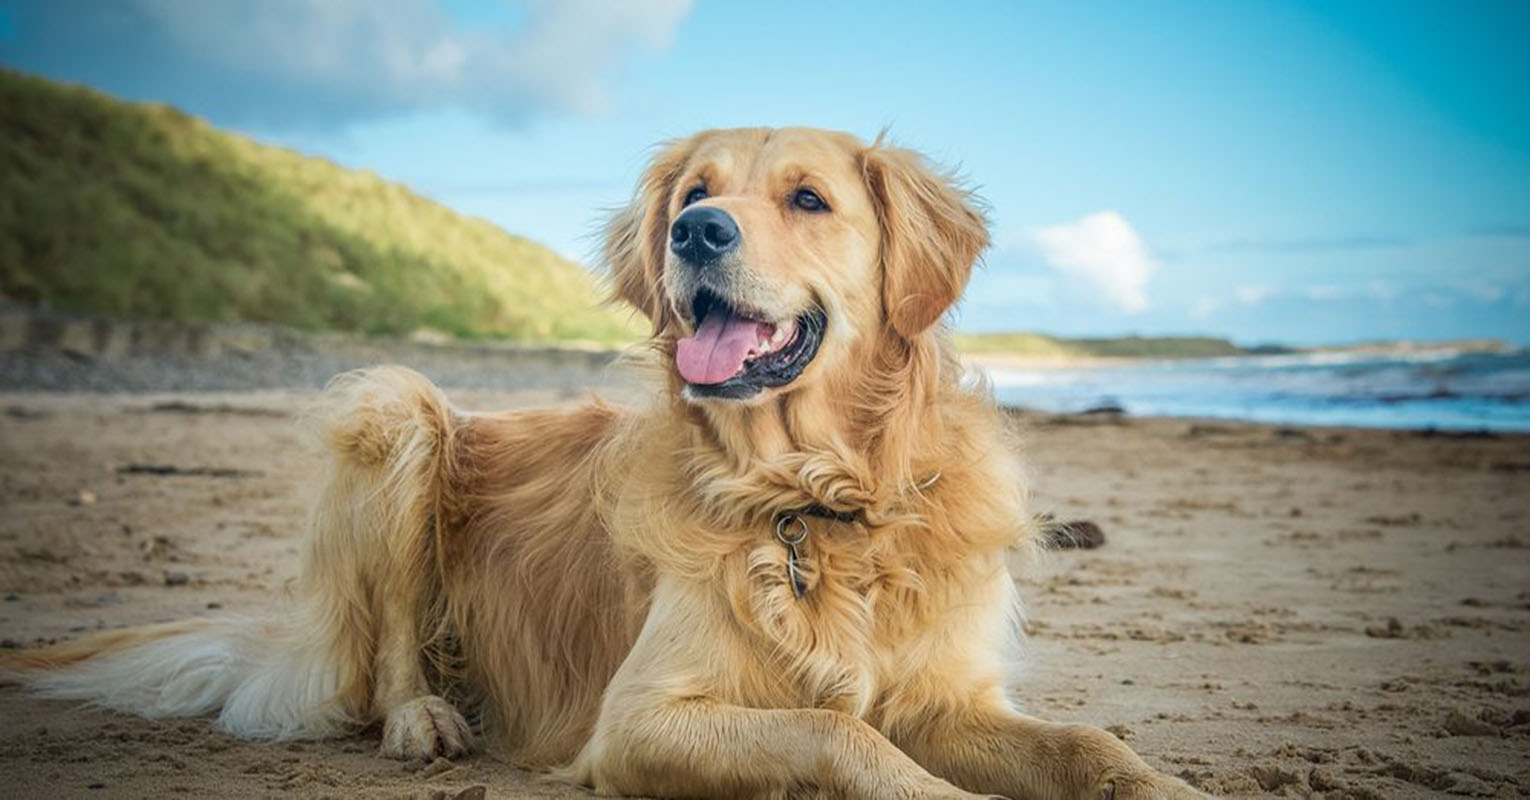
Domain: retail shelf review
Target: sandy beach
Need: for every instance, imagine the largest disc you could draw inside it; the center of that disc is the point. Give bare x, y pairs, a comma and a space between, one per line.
1276, 611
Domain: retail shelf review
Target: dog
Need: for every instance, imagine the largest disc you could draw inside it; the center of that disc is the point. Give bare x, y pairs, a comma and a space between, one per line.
786, 577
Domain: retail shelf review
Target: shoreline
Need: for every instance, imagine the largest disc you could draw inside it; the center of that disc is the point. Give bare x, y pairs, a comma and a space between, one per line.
23, 403
53, 352
1315, 355
1060, 362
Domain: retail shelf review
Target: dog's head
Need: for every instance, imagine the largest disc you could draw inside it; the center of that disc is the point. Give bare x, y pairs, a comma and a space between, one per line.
767, 257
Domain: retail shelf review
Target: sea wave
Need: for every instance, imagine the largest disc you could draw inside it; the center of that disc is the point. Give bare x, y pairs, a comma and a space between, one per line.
1418, 389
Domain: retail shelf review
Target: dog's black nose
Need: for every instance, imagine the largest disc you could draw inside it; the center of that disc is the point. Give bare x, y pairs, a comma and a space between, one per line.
703, 234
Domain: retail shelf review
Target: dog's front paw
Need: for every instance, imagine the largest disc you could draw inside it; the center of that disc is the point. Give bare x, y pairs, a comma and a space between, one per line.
1147, 786
424, 728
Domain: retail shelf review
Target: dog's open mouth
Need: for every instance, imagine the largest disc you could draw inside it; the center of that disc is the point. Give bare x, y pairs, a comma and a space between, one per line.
735, 353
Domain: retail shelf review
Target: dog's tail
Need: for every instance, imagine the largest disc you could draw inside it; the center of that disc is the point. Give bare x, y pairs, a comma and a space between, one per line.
306, 672
267, 678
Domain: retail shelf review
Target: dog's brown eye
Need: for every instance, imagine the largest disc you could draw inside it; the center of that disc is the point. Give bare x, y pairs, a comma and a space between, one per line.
808, 200
696, 195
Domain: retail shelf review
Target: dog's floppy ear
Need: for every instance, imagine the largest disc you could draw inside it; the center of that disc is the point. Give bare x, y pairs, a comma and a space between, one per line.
932, 233
637, 236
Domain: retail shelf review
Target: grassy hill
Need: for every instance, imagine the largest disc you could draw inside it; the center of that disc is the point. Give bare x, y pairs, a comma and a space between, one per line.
1042, 346
138, 210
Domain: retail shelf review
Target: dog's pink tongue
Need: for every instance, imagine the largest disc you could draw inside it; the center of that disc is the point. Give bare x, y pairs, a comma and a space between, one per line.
717, 351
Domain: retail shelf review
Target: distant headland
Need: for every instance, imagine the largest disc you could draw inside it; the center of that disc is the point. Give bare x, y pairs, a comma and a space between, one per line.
1041, 347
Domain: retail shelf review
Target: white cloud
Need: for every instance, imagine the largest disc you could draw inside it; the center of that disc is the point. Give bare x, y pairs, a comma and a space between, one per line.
1103, 252
334, 61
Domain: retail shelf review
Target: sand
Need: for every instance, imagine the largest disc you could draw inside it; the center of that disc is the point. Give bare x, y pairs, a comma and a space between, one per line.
1304, 612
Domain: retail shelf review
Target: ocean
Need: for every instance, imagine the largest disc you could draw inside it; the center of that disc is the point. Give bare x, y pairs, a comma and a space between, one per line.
1444, 390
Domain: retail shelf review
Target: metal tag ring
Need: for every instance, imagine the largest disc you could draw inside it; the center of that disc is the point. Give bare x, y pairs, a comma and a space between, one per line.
802, 530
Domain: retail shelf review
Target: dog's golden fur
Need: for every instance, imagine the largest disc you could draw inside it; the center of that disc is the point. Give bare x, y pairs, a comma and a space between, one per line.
601, 590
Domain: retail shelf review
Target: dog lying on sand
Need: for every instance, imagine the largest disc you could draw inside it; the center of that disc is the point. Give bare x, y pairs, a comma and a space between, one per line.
784, 578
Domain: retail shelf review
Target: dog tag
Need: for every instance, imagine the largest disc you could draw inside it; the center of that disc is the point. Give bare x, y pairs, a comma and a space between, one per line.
792, 530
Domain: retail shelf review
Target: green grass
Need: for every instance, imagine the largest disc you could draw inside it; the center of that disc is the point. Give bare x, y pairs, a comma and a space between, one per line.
138, 210
1038, 345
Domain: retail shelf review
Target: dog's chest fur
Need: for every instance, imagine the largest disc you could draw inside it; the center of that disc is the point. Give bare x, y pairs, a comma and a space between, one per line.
857, 629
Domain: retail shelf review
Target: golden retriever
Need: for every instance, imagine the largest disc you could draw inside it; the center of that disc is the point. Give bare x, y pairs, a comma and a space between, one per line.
785, 578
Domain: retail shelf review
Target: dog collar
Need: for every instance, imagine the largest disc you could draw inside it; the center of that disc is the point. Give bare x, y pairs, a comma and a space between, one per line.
824, 512
792, 531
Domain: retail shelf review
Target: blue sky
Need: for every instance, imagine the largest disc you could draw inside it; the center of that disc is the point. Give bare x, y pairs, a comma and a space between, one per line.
1297, 172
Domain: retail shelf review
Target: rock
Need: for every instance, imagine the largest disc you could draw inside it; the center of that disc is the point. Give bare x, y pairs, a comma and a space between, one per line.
84, 497
1075, 535
177, 579
166, 470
